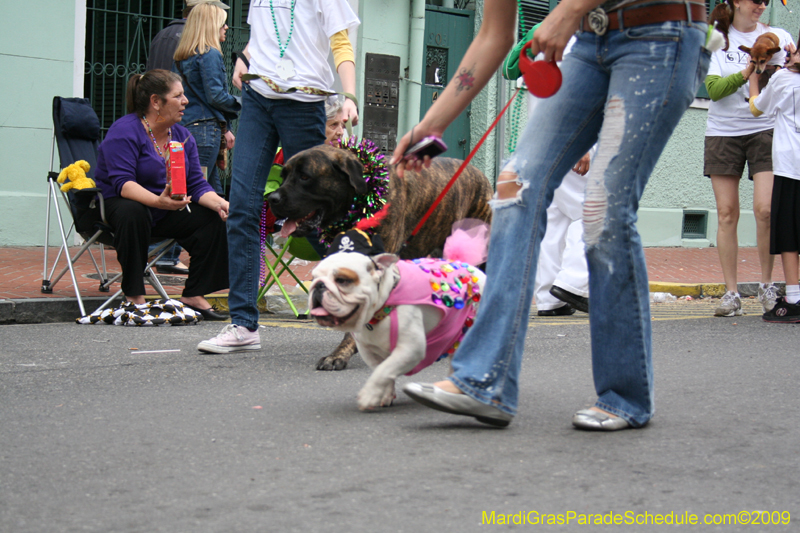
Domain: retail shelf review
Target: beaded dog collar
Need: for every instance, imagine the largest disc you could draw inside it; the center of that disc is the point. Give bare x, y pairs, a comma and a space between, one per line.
376, 175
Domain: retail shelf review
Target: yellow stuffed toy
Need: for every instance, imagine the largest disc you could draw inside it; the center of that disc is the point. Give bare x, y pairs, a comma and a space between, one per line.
75, 177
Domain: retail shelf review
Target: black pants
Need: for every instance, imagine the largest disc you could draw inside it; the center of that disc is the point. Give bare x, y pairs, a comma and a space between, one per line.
202, 233
784, 230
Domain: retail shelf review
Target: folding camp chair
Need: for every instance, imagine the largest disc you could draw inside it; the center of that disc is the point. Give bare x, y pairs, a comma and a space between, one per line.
76, 131
294, 248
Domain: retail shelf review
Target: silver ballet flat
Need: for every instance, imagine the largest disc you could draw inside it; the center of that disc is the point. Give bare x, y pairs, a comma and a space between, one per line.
456, 404
597, 421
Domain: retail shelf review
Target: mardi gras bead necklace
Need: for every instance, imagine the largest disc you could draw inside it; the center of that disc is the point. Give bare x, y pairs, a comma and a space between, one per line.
376, 175
515, 117
285, 66
153, 138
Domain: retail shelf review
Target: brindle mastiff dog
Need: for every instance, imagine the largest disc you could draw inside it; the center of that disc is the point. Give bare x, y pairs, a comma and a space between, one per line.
318, 187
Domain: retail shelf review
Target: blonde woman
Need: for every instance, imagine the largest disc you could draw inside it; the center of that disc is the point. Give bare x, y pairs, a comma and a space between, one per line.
211, 107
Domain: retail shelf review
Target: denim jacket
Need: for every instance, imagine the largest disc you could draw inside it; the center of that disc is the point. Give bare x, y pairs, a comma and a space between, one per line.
207, 89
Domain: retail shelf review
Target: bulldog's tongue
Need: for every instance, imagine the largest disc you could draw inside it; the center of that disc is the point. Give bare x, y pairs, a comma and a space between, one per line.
288, 228
319, 311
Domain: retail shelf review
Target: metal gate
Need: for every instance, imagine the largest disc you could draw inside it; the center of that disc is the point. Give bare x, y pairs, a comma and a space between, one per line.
118, 36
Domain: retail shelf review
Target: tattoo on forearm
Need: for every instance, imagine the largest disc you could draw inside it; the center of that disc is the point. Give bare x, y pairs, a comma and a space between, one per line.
465, 80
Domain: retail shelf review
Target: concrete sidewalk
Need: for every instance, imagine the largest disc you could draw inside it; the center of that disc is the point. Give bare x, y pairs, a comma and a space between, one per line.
680, 271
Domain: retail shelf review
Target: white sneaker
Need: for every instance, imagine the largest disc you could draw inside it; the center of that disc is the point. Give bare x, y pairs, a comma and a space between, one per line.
767, 296
232, 338
731, 305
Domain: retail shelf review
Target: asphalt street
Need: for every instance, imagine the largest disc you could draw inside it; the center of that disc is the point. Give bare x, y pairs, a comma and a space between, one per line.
95, 437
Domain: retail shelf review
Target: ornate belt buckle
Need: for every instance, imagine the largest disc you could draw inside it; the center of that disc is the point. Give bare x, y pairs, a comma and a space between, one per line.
598, 20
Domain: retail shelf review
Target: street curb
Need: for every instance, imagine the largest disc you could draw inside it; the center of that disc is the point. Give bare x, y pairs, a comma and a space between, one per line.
707, 290
48, 310
677, 289
45, 310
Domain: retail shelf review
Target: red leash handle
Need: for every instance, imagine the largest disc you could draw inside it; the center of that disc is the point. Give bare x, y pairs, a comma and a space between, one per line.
460, 169
543, 78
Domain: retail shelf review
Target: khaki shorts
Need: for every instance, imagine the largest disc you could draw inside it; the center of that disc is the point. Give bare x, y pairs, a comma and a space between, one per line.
727, 155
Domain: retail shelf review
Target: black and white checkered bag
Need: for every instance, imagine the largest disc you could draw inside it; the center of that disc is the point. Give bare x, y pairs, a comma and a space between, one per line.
151, 313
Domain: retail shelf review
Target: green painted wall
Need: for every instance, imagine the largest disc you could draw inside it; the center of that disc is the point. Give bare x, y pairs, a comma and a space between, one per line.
36, 59
36, 69
483, 111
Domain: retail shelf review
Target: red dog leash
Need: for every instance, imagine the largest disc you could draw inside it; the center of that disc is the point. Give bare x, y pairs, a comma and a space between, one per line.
459, 171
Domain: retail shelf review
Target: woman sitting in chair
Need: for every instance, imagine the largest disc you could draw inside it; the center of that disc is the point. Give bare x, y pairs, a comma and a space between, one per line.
132, 166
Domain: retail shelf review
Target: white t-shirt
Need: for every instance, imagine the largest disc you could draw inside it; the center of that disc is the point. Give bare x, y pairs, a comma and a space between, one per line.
780, 99
315, 21
731, 116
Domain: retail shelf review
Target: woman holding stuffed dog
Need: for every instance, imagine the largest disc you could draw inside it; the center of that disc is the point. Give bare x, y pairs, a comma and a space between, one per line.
132, 169
734, 136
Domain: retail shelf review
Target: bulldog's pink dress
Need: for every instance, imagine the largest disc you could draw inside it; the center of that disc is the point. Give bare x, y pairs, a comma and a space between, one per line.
451, 287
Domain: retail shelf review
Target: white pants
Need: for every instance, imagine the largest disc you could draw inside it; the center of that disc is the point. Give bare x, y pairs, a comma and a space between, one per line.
562, 260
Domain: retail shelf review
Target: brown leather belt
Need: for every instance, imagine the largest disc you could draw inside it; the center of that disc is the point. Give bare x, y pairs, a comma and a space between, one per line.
654, 14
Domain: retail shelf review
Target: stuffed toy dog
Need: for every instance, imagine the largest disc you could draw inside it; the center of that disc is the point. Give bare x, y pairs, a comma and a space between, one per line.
74, 177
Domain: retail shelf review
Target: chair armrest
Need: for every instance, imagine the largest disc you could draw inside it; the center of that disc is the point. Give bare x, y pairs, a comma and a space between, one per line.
98, 197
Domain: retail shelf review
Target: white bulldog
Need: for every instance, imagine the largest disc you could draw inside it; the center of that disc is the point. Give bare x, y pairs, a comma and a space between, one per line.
404, 315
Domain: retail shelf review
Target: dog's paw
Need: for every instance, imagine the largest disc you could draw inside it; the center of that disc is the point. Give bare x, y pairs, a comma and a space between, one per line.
332, 362
338, 358
371, 397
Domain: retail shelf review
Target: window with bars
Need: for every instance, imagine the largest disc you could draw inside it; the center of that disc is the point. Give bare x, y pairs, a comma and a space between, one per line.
457, 4
533, 12
118, 36
695, 224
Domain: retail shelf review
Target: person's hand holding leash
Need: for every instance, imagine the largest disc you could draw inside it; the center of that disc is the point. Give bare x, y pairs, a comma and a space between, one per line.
481, 61
417, 133
559, 26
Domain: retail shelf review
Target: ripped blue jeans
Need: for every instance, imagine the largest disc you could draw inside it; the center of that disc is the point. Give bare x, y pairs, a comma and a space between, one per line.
627, 90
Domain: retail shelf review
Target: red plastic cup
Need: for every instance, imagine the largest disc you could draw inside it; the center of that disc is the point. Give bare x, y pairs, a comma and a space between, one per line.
543, 78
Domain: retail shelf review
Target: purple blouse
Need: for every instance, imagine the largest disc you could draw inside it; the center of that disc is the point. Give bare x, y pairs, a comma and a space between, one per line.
127, 154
